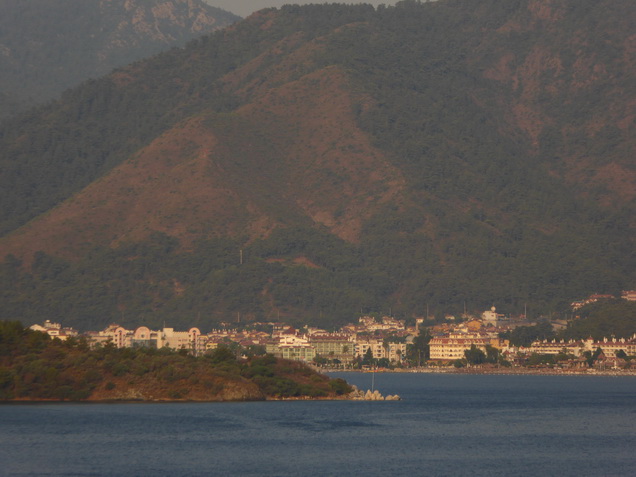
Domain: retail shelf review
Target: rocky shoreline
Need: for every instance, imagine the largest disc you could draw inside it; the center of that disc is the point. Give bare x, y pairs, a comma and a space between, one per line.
135, 397
360, 395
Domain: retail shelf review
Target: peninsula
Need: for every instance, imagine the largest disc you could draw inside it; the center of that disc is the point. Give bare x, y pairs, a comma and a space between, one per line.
36, 367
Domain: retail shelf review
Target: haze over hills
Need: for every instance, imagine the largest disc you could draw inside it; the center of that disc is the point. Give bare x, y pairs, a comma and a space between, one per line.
311, 163
47, 46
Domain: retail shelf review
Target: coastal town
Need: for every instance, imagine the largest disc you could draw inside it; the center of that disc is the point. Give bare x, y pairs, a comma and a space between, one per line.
381, 342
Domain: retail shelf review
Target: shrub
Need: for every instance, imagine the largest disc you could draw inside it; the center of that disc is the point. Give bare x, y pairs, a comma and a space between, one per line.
339, 386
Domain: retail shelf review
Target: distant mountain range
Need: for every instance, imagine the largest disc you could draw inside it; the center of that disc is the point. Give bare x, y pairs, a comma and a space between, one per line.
315, 162
47, 46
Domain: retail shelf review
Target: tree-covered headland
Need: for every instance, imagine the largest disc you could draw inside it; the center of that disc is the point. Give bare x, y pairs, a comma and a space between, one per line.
35, 367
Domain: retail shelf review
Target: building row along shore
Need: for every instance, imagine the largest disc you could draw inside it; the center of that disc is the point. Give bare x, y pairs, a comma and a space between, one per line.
383, 339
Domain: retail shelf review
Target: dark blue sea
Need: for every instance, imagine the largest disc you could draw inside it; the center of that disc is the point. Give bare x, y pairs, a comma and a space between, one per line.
446, 425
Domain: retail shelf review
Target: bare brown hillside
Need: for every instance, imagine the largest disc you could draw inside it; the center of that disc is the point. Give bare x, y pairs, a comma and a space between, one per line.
300, 141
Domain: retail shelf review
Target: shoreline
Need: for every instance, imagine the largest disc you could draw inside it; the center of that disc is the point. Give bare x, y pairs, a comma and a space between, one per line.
356, 395
490, 371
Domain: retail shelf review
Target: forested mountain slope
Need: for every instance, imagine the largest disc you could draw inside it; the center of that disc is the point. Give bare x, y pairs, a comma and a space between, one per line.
47, 46
314, 162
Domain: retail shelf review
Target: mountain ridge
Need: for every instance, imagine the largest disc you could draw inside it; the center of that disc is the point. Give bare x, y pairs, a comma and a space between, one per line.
49, 46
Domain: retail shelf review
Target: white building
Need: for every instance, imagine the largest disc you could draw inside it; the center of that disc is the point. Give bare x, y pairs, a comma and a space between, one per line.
144, 336
168, 337
490, 317
294, 347
380, 349
54, 330
609, 346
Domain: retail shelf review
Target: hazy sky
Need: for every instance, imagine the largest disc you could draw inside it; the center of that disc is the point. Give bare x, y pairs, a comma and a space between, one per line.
246, 7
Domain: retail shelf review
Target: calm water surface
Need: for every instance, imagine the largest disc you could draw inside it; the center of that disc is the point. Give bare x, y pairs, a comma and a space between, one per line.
445, 425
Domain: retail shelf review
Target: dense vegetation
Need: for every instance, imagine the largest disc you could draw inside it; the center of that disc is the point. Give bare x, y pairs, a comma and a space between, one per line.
525, 335
494, 210
33, 366
605, 319
150, 284
48, 46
